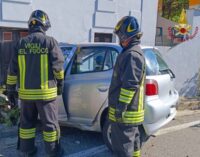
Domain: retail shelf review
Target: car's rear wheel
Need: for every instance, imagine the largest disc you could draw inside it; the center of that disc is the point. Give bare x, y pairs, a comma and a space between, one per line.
107, 134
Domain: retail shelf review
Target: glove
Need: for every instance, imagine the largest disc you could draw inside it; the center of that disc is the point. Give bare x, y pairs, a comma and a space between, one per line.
12, 98
59, 88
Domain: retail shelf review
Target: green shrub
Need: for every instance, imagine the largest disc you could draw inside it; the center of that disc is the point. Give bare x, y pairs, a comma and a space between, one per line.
8, 116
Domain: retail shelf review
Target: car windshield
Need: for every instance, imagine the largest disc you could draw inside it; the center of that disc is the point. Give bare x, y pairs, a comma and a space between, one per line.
155, 65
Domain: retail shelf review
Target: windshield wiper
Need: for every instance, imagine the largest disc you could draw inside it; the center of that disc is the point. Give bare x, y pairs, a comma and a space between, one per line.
169, 71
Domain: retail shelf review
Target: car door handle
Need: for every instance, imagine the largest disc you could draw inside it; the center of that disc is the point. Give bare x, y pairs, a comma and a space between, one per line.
103, 88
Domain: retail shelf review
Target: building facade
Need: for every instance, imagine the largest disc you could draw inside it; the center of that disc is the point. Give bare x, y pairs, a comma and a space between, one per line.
75, 21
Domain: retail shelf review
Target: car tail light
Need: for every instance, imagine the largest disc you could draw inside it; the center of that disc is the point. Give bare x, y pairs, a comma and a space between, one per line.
151, 87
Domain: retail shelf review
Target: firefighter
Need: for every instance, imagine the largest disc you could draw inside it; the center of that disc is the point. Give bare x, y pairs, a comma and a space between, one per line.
126, 92
37, 69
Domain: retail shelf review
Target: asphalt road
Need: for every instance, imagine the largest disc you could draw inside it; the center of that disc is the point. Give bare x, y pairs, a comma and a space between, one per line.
180, 143
180, 138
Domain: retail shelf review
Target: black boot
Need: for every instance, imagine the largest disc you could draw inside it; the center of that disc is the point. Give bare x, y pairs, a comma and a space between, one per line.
58, 152
29, 154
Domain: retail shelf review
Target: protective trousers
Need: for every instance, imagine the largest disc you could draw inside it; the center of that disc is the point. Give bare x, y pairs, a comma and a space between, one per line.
48, 113
125, 140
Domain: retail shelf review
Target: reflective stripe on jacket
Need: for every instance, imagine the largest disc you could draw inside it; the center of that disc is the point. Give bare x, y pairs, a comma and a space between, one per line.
37, 65
127, 87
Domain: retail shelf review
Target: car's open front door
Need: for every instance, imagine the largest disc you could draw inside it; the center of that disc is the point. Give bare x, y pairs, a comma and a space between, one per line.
87, 83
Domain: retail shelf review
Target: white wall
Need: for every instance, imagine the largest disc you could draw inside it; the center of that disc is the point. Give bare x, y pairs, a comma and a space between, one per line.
129, 7
71, 21
149, 21
0, 11
196, 23
193, 17
165, 24
183, 59
78, 23
14, 13
77, 20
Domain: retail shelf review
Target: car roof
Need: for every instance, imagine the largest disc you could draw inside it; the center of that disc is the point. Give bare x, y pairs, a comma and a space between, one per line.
66, 44
101, 44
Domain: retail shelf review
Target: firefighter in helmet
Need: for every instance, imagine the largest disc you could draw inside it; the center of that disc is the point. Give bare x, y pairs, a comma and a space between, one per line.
126, 92
37, 69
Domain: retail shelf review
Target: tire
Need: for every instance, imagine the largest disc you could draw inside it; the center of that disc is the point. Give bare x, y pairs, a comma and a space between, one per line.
143, 136
107, 134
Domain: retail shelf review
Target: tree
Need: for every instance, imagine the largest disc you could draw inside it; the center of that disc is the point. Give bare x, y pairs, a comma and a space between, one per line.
171, 9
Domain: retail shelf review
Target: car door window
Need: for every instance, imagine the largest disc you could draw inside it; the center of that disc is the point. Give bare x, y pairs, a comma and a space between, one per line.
114, 56
108, 61
66, 51
88, 59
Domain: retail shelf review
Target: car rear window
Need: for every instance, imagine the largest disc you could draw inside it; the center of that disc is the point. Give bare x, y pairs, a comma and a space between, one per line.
155, 65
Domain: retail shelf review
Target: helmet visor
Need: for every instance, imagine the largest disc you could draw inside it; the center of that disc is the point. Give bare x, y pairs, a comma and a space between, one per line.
121, 35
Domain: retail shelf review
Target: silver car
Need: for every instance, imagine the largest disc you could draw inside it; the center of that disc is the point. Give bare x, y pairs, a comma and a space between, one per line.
88, 71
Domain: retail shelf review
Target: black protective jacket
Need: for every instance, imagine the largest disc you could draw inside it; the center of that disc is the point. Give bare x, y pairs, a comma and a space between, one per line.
126, 93
37, 67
